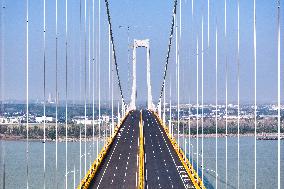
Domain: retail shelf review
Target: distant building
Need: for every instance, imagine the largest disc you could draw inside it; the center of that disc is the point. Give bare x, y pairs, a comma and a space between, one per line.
49, 100
10, 120
89, 121
230, 116
105, 118
82, 120
2, 119
47, 119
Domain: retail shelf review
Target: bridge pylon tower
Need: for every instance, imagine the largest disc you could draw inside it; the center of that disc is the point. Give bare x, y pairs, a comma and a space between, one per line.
144, 44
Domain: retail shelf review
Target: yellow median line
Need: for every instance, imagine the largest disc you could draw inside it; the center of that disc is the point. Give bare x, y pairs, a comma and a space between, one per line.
85, 182
197, 182
141, 154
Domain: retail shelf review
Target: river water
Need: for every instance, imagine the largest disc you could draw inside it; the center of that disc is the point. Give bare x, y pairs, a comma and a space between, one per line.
266, 162
16, 168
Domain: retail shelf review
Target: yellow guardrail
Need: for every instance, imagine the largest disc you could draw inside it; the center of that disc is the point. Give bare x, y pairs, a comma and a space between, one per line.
85, 182
197, 182
141, 154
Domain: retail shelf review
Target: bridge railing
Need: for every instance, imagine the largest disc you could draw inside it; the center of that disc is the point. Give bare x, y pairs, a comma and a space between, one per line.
141, 154
85, 182
194, 177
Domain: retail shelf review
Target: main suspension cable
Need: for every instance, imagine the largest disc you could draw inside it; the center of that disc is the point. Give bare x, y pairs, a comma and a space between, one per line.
169, 49
113, 49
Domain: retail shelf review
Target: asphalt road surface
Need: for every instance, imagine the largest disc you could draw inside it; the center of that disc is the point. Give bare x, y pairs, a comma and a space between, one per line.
120, 167
163, 169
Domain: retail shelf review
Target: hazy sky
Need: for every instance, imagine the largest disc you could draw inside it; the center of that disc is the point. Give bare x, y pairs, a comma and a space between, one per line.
147, 19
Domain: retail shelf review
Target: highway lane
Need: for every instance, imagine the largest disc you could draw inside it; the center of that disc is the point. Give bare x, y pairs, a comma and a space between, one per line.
120, 167
163, 168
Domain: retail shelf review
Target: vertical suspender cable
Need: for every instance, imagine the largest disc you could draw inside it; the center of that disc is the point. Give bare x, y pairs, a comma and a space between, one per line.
56, 92
74, 177
97, 39
278, 96
176, 54
170, 124
189, 130
89, 54
189, 117
93, 79
2, 59
202, 97
178, 61
4, 165
254, 56
109, 64
27, 90
164, 115
238, 62
216, 108
128, 61
85, 60
99, 61
44, 105
80, 54
66, 94
176, 40
2, 31
192, 4
226, 111
197, 106
208, 27
118, 114
112, 120
89, 51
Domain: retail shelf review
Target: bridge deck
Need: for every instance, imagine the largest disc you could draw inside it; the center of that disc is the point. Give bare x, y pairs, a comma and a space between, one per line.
119, 168
163, 168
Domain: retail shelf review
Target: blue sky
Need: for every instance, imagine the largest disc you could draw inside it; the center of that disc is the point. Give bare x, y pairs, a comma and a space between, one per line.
147, 19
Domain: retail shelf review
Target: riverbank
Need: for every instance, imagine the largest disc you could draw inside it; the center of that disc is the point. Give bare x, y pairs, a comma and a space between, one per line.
61, 139
221, 135
260, 136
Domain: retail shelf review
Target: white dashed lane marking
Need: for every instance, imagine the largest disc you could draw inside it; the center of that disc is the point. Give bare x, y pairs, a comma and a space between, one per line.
183, 175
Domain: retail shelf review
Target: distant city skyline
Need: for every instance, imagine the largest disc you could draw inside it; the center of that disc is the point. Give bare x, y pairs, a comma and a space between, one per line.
153, 25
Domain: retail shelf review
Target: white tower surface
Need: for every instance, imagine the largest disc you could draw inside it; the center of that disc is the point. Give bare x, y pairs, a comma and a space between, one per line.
145, 44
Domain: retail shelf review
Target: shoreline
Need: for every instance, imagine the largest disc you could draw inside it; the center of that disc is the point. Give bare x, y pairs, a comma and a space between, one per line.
60, 140
221, 135
90, 139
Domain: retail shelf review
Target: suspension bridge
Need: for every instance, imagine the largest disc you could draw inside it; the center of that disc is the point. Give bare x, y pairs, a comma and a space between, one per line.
141, 144
129, 146
139, 152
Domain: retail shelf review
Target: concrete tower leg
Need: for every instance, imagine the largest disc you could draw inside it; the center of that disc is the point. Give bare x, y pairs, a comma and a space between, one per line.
150, 102
133, 94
